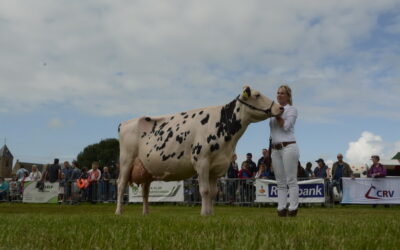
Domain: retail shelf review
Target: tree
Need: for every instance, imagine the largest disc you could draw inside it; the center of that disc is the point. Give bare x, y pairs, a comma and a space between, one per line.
106, 152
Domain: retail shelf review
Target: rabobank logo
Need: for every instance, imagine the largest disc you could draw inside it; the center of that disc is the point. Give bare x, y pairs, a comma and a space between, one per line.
305, 190
375, 194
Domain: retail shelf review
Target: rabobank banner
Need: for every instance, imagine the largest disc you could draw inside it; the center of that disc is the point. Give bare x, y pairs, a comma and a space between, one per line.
371, 190
160, 191
310, 191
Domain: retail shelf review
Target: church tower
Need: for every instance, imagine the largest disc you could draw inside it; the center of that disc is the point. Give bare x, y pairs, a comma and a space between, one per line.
6, 162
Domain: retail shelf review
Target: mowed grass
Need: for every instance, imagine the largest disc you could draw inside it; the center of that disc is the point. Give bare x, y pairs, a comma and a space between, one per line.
37, 226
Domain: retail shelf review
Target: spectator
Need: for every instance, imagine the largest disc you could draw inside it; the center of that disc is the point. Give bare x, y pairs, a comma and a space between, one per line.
35, 175
106, 177
232, 173
14, 188
321, 170
301, 173
75, 172
308, 170
3, 189
233, 169
74, 175
116, 171
262, 172
54, 171
94, 176
264, 158
84, 180
45, 173
21, 172
339, 169
61, 188
66, 170
377, 170
251, 165
244, 172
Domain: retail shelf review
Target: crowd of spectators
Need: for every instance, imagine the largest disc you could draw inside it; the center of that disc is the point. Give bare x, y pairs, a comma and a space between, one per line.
75, 183
78, 183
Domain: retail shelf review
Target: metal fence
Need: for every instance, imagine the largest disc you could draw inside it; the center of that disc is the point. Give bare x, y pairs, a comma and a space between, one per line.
230, 192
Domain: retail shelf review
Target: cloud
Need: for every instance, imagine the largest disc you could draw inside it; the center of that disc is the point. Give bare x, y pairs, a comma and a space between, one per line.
360, 151
58, 123
123, 57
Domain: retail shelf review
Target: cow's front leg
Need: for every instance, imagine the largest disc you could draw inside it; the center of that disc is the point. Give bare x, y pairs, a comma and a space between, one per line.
204, 186
145, 194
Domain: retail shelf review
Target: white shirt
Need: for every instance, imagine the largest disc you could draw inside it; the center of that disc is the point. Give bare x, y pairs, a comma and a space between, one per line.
285, 133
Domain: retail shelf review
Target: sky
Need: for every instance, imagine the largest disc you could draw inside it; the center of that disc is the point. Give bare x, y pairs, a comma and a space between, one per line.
71, 71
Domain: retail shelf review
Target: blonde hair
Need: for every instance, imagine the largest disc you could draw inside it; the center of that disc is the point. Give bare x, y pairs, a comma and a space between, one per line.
288, 92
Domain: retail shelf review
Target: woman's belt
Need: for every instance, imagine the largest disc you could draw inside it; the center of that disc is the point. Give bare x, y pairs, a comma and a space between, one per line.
279, 146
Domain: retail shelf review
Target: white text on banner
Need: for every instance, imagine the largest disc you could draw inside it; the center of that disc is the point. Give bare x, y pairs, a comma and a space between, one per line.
310, 191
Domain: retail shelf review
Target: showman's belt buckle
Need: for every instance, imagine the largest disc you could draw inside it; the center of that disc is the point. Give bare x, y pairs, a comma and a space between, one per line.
281, 145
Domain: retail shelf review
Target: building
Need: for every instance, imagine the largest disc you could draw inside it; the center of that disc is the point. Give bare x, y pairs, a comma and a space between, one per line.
6, 162
27, 166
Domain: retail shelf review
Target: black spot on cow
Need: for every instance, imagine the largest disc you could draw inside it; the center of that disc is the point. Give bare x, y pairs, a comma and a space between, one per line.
205, 119
201, 112
197, 149
193, 115
210, 138
180, 155
169, 129
186, 116
172, 118
183, 113
228, 125
148, 155
166, 157
184, 122
238, 109
195, 158
214, 147
179, 139
119, 127
154, 127
177, 129
143, 135
147, 119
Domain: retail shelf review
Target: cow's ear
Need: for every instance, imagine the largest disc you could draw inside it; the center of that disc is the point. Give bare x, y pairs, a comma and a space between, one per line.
246, 92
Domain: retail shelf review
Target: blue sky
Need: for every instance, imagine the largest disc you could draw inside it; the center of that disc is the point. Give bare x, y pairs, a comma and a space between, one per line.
71, 71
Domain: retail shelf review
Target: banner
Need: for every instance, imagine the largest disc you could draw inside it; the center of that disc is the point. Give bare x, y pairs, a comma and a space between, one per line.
160, 191
371, 190
310, 191
33, 195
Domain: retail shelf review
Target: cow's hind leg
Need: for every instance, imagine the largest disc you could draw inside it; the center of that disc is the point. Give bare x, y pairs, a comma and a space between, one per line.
204, 186
145, 194
213, 194
124, 175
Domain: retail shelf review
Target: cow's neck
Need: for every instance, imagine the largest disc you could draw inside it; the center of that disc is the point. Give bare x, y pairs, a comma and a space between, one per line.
232, 124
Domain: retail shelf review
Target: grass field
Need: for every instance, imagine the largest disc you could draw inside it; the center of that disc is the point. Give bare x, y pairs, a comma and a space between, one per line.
26, 226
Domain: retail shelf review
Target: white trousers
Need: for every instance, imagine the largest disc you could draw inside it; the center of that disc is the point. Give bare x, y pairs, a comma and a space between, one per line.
284, 163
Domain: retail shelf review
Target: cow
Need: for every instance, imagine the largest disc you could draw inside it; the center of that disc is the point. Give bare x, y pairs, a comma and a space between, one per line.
176, 147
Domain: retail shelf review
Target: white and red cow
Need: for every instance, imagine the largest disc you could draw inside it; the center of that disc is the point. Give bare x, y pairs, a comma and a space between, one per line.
176, 147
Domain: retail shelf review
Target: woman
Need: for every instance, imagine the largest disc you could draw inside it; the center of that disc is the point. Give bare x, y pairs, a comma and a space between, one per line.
309, 172
35, 175
285, 153
377, 170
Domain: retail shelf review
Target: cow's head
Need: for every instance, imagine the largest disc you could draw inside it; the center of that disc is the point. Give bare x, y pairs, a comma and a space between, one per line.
257, 105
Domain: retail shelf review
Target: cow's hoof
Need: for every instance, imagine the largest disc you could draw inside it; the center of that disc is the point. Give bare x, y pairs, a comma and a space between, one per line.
118, 212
